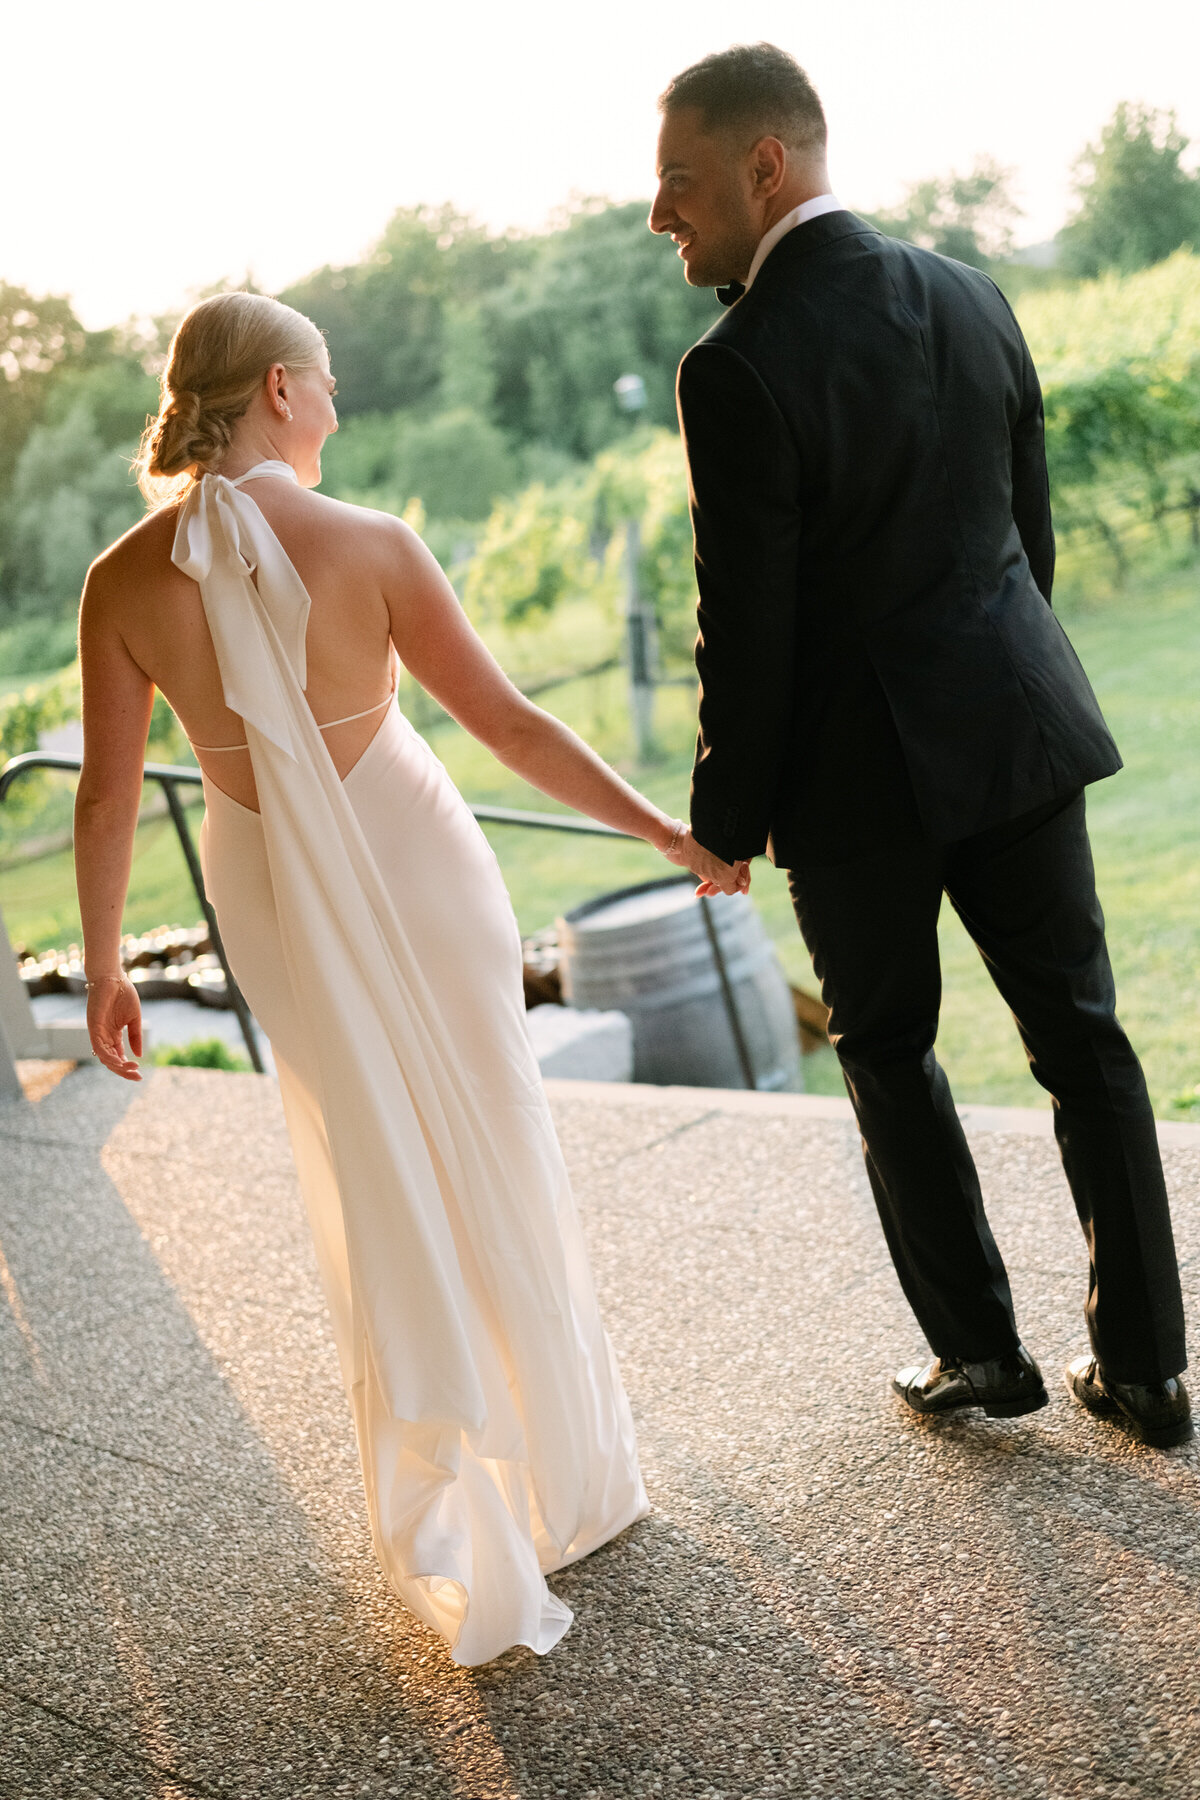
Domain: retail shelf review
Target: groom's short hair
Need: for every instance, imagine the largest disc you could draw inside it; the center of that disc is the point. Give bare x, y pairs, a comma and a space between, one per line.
756, 88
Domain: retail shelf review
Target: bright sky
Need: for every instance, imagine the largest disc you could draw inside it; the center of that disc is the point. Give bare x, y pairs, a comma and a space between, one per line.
151, 150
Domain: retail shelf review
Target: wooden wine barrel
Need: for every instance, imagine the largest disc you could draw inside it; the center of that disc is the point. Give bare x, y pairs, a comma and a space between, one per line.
645, 951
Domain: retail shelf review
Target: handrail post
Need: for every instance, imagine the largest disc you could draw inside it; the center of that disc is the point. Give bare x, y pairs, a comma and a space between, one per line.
10, 1081
197, 874
735, 1023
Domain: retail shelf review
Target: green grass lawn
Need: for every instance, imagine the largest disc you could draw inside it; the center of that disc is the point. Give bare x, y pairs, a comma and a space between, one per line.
38, 898
1142, 650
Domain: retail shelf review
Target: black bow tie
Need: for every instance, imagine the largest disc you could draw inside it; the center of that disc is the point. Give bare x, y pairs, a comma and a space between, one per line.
733, 291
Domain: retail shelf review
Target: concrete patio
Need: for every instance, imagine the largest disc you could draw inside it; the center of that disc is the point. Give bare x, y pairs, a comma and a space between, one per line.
830, 1599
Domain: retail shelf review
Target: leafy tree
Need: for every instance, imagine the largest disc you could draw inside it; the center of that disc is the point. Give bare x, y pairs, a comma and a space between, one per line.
70, 497
112, 385
35, 335
551, 545
359, 462
530, 331
1151, 317
41, 707
1119, 359
36, 338
468, 378
969, 217
387, 317
532, 554
1116, 441
598, 298
33, 645
456, 463
52, 371
1137, 203
645, 479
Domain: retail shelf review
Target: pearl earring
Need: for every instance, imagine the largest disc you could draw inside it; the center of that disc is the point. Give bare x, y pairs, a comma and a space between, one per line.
287, 413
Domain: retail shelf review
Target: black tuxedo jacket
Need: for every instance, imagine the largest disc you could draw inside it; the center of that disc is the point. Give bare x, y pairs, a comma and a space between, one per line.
874, 556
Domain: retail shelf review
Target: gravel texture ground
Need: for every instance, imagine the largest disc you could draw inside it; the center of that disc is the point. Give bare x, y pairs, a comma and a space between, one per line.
831, 1599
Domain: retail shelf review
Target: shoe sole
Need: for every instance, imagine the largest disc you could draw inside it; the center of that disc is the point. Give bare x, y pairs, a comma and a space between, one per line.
1016, 1409
992, 1409
1160, 1437
1166, 1437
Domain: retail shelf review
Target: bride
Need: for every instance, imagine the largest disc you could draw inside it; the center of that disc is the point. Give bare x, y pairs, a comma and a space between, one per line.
367, 922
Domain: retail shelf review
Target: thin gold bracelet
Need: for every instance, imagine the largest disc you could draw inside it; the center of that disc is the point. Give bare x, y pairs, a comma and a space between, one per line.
678, 832
95, 980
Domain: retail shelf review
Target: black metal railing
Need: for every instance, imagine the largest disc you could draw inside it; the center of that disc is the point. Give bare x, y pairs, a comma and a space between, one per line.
170, 777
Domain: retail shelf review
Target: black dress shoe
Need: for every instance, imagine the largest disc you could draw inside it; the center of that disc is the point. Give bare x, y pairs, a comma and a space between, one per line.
1005, 1387
1159, 1412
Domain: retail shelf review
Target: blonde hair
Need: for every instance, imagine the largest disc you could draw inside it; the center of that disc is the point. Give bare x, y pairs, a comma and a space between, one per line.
217, 362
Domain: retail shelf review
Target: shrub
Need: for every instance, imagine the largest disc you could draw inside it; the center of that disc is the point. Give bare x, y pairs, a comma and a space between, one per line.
1119, 360
37, 644
201, 1053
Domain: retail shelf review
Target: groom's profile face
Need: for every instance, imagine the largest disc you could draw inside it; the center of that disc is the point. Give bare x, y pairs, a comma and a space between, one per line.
705, 199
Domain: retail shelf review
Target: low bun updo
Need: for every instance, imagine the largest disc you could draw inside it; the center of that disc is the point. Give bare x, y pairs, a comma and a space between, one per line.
217, 363
186, 435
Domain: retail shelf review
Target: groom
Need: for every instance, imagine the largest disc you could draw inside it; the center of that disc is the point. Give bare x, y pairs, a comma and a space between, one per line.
890, 709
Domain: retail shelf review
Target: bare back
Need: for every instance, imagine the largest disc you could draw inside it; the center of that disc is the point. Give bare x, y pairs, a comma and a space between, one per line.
346, 558
376, 594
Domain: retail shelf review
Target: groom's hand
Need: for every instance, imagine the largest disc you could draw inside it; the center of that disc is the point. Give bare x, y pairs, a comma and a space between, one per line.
716, 877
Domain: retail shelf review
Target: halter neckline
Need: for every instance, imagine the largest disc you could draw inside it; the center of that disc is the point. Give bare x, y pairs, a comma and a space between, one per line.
269, 466
215, 528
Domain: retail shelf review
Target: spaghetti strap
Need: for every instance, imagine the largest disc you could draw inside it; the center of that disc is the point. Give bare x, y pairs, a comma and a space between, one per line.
220, 749
365, 714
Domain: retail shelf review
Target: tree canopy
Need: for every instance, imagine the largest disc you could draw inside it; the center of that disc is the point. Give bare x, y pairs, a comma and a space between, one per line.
1136, 201
530, 332
969, 217
36, 338
476, 377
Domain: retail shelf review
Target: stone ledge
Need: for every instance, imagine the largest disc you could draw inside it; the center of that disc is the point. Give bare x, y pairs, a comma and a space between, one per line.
1032, 1121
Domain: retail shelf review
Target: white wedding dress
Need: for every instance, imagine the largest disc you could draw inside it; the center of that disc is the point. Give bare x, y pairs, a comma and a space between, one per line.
369, 927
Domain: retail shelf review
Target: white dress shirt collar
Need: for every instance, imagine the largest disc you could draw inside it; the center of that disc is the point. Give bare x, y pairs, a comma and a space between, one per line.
799, 215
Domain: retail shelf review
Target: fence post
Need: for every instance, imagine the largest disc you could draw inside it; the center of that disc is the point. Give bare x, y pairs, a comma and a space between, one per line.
10, 1081
193, 862
642, 634
735, 1023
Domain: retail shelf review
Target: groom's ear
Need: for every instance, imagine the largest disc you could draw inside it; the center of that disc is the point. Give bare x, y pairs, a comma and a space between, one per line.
769, 166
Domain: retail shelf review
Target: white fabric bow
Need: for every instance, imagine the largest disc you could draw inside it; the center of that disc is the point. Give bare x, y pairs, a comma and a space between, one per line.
223, 542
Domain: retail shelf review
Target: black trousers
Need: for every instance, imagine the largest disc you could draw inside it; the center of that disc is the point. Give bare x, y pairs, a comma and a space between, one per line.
1026, 892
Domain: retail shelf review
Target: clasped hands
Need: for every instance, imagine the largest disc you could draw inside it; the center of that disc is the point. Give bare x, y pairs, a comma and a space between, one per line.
715, 876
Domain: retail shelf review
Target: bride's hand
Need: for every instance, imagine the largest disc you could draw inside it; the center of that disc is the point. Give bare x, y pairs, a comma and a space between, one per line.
715, 876
113, 1008
735, 879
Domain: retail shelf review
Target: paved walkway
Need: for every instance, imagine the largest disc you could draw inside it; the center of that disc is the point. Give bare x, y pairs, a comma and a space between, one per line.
831, 1599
